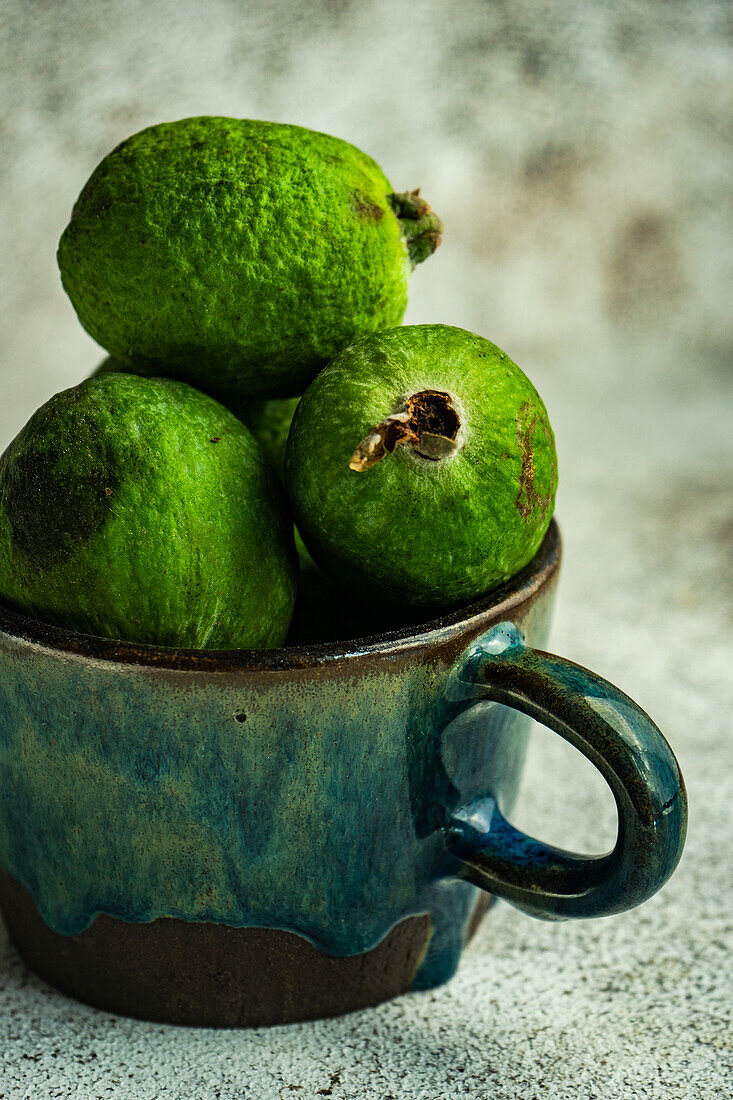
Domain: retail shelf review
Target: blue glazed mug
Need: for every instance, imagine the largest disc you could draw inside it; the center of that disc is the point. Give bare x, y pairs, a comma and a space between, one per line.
257, 837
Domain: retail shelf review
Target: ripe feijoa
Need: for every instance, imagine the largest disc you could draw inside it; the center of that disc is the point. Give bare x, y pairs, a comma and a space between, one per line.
421, 466
239, 255
140, 509
269, 420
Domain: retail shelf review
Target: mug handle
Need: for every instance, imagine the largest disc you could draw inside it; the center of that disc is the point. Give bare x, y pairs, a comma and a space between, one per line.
628, 750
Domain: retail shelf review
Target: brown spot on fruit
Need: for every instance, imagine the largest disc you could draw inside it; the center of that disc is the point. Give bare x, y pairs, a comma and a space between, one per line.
530, 497
365, 209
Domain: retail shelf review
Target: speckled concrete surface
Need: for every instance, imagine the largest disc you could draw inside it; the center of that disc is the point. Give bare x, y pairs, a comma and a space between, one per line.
579, 155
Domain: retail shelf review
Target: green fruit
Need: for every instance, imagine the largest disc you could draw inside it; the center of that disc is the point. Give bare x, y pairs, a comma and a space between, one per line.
143, 510
421, 466
238, 255
269, 422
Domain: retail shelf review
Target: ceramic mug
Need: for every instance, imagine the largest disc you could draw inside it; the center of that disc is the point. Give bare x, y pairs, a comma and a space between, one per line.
244, 838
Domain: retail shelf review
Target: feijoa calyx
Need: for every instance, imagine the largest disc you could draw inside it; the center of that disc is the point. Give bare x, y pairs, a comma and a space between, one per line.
143, 510
421, 466
240, 256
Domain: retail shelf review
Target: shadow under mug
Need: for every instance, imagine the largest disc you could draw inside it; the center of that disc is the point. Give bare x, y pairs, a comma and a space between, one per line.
246, 838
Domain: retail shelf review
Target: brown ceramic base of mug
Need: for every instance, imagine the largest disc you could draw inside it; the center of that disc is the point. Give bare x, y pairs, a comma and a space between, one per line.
211, 975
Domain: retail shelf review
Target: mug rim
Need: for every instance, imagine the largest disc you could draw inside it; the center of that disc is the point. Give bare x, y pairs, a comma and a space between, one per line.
495, 604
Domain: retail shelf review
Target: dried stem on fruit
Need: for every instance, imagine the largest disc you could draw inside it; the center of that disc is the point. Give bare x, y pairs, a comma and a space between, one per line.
428, 422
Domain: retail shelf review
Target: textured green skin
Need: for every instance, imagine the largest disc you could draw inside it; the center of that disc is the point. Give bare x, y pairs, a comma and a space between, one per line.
119, 516
237, 255
408, 529
268, 420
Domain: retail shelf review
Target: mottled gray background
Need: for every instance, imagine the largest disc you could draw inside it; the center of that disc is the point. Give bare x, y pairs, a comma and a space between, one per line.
580, 156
